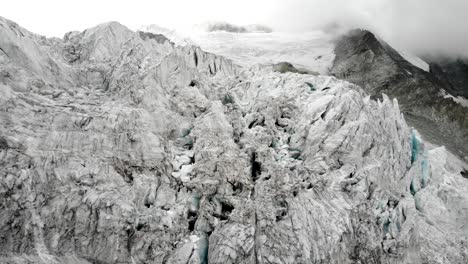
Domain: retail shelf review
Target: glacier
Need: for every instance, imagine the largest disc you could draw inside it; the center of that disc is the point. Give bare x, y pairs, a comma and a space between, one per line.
121, 147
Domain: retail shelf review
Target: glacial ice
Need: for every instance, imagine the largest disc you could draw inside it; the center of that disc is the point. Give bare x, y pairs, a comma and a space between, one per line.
88, 151
424, 172
415, 144
203, 245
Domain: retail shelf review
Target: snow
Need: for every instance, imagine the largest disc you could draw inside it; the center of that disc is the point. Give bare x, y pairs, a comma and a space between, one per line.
178, 37
459, 99
312, 50
415, 60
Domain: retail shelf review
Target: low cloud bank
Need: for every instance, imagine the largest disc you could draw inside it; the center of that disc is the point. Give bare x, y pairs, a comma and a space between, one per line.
424, 27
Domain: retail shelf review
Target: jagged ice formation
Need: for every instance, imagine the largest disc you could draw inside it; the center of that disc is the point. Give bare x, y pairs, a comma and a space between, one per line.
117, 147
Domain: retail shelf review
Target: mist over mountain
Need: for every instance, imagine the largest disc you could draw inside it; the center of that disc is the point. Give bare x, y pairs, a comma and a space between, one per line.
421, 26
425, 27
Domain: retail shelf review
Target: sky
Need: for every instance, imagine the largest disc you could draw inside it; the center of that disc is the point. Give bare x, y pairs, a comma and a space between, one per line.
420, 26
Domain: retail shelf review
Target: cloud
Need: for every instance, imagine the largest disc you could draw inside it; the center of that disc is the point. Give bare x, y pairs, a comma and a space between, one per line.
422, 26
427, 26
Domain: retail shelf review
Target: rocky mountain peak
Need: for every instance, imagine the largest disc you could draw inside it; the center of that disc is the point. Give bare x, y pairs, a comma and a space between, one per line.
363, 59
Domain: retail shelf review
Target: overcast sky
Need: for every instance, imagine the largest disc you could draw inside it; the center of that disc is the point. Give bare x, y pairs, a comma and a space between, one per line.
421, 26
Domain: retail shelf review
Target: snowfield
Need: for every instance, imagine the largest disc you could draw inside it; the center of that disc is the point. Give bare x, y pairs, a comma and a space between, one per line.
312, 50
415, 60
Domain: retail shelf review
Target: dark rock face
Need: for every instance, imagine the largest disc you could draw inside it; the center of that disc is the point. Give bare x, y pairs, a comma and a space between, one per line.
363, 59
158, 37
453, 73
284, 67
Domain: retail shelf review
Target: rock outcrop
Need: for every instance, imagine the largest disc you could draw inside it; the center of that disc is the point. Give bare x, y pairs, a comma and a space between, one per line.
453, 73
117, 147
284, 67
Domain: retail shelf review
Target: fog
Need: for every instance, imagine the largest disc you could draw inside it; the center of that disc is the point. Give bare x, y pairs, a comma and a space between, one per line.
436, 27
428, 26
433, 27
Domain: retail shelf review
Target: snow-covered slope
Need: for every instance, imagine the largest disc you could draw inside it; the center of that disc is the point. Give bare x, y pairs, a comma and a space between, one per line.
312, 50
413, 59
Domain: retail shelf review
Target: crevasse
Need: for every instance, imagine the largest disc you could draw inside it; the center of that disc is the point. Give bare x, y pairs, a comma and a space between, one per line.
425, 174
414, 146
203, 249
